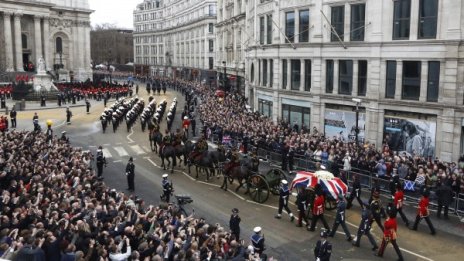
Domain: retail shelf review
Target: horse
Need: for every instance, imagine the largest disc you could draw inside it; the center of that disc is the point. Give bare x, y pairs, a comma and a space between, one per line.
203, 161
174, 152
155, 138
240, 172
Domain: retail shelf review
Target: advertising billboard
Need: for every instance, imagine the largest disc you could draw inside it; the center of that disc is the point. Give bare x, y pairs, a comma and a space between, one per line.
413, 136
342, 124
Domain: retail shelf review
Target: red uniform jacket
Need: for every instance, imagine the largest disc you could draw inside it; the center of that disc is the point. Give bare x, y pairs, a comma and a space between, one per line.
398, 199
390, 226
423, 209
186, 124
318, 207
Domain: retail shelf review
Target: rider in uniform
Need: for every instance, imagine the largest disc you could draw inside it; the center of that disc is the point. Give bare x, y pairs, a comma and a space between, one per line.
200, 147
234, 161
167, 140
167, 188
178, 137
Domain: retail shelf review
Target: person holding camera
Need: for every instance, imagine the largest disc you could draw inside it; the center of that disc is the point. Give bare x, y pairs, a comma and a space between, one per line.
167, 188
101, 161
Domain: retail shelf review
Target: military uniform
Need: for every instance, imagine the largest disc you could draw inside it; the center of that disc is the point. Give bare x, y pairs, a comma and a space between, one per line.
167, 188
389, 236
318, 212
104, 122
340, 218
101, 161
377, 210
323, 249
355, 193
234, 224
257, 241
365, 228
284, 193
130, 173
423, 213
398, 199
302, 204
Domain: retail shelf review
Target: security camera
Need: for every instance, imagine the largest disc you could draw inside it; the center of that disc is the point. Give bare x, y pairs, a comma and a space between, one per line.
356, 100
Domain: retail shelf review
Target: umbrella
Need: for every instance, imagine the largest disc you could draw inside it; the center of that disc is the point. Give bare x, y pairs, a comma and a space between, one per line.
331, 185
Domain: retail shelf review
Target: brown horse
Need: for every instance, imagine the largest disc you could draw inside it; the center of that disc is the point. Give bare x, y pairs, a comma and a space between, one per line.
241, 172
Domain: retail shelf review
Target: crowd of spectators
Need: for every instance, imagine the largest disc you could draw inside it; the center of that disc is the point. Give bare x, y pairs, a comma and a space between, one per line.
53, 207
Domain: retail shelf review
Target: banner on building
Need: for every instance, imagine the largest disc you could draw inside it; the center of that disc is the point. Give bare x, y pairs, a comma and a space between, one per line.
413, 136
342, 125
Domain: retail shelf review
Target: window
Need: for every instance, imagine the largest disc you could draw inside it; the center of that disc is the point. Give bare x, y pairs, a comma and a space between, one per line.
362, 77
271, 72
358, 14
59, 45
307, 76
390, 84
24, 41
401, 19
261, 30
329, 76
211, 63
264, 72
212, 10
338, 22
296, 75
252, 73
411, 80
345, 79
433, 80
296, 114
284, 74
269, 29
211, 45
304, 26
210, 28
290, 27
428, 10
265, 107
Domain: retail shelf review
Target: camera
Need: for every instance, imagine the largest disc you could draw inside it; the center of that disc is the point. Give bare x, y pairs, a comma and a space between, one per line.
184, 199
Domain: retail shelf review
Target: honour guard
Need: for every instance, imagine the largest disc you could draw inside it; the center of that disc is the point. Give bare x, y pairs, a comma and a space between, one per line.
398, 199
104, 121
365, 228
323, 249
234, 223
340, 218
389, 236
318, 209
257, 241
167, 188
302, 204
355, 192
377, 209
284, 193
423, 212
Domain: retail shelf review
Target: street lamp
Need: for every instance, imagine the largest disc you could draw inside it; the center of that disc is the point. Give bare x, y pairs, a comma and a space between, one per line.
356, 130
224, 76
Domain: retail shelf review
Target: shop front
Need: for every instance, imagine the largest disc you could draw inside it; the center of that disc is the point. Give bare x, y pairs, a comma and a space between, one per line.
340, 123
265, 105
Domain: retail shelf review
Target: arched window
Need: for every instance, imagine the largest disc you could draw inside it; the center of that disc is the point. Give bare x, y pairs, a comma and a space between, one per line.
252, 72
24, 40
59, 45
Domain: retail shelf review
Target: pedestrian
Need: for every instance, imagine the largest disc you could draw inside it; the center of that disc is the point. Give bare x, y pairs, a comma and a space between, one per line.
340, 218
323, 249
377, 209
445, 196
101, 161
234, 224
318, 209
49, 133
390, 236
167, 188
68, 115
398, 200
355, 192
284, 193
13, 114
87, 106
42, 101
136, 89
423, 212
365, 228
257, 241
3, 101
130, 173
302, 204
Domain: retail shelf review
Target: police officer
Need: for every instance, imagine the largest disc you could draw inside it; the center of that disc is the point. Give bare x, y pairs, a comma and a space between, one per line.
101, 161
167, 188
377, 209
257, 241
284, 193
318, 209
234, 223
340, 218
130, 173
68, 116
13, 114
365, 228
323, 249
87, 106
398, 200
423, 212
355, 192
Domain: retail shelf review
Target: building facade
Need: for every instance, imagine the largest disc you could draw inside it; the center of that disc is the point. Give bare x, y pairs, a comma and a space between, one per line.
176, 38
232, 40
57, 30
112, 46
401, 61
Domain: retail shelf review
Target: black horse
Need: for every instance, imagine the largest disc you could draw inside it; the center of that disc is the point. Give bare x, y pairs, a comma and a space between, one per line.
240, 172
173, 152
155, 138
201, 161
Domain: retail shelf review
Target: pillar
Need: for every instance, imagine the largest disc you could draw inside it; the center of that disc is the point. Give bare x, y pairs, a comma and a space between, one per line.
18, 42
336, 76
81, 39
37, 39
46, 43
423, 81
302, 75
354, 91
399, 77
9, 63
269, 61
87, 48
234, 28
289, 75
297, 27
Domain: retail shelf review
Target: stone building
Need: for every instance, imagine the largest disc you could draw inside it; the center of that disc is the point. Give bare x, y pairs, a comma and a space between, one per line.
113, 46
57, 30
176, 37
232, 40
402, 62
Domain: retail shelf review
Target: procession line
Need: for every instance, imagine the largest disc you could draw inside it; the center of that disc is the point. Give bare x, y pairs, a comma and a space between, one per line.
130, 134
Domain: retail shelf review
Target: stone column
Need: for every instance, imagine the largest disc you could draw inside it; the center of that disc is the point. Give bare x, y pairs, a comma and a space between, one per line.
297, 27
289, 75
302, 75
87, 48
423, 81
37, 39
354, 91
235, 44
18, 42
399, 82
269, 61
9, 63
46, 43
81, 39
335, 76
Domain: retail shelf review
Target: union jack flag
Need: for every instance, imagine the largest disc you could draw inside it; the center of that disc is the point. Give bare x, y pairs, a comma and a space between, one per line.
332, 187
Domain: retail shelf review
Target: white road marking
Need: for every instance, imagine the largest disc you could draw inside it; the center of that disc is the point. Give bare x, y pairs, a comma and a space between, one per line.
137, 149
121, 151
107, 144
117, 161
106, 153
149, 160
92, 146
130, 134
415, 254
146, 148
